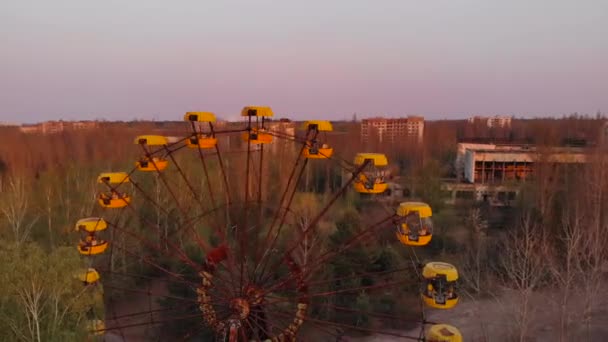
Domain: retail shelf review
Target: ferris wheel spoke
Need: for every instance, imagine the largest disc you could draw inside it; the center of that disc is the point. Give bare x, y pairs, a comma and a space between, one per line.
155, 265
242, 233
221, 163
357, 276
152, 311
164, 181
288, 316
353, 289
207, 179
373, 314
126, 326
311, 227
309, 268
191, 284
324, 258
182, 255
260, 322
142, 218
352, 327
283, 216
193, 332
192, 300
260, 259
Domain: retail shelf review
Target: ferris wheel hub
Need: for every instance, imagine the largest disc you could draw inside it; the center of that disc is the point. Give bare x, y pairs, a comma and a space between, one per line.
254, 294
240, 307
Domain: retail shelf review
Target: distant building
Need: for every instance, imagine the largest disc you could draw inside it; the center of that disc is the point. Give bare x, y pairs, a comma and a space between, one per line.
54, 127
387, 129
497, 121
494, 173
284, 128
490, 163
83, 125
31, 129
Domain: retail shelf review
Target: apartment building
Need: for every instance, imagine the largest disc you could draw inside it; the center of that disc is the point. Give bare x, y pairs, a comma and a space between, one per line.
497, 121
390, 130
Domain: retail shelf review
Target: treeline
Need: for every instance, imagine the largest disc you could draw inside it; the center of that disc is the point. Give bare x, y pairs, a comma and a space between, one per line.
553, 241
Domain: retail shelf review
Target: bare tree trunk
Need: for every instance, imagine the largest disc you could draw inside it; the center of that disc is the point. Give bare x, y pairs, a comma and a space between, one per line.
522, 267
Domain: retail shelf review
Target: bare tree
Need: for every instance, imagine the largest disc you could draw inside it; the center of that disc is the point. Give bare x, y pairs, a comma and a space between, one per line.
15, 206
522, 268
474, 267
592, 254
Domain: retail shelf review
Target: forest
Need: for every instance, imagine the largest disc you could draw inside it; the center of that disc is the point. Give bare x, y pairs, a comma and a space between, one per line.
531, 271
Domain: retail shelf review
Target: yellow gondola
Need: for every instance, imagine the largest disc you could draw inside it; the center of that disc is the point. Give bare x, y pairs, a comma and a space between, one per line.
371, 179
199, 116
258, 111
439, 282
151, 140
417, 230
88, 277
443, 333
113, 200
92, 246
91, 224
201, 140
90, 242
257, 136
151, 164
113, 177
314, 149
97, 327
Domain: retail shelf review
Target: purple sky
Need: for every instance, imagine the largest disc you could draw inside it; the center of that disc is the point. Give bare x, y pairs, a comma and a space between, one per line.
119, 60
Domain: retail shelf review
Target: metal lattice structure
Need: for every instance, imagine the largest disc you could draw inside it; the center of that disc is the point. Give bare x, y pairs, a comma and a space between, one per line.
215, 223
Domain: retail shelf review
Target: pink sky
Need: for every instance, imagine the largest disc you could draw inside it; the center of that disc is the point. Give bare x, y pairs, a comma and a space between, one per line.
119, 60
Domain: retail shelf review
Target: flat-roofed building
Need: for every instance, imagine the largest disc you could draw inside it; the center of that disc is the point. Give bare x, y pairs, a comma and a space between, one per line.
497, 121
392, 129
490, 163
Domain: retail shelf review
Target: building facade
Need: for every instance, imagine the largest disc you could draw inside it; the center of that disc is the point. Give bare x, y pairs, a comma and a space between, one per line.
497, 121
495, 164
390, 130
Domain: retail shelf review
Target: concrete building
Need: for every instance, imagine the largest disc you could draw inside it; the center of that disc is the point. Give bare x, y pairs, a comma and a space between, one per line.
492, 173
387, 129
31, 129
497, 121
54, 127
498, 164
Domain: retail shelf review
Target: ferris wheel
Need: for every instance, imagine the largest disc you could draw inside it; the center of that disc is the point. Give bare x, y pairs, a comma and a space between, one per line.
213, 216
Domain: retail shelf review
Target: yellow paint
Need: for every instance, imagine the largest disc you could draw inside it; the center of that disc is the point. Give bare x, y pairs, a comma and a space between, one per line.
113, 177
423, 209
378, 159
106, 201
434, 269
97, 327
323, 153
90, 276
85, 248
322, 126
257, 137
257, 111
153, 164
91, 224
443, 333
378, 188
449, 303
423, 240
151, 140
201, 141
199, 116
